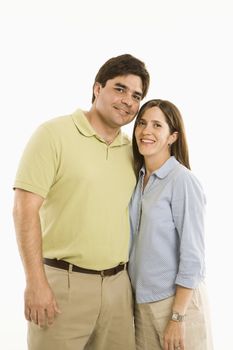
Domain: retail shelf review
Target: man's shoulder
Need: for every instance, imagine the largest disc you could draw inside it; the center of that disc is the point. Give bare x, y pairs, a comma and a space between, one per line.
57, 122
61, 124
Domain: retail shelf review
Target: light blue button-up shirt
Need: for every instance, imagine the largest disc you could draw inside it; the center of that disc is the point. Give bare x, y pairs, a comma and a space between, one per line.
167, 226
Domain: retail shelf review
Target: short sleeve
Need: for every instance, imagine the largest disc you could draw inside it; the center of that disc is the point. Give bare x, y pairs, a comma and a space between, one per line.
37, 167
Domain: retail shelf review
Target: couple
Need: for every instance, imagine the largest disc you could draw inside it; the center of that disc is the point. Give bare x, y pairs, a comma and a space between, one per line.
72, 193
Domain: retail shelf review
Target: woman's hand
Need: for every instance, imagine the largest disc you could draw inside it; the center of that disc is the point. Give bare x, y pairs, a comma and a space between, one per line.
174, 336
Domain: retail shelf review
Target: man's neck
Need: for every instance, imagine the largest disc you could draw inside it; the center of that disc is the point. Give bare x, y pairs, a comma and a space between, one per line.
106, 132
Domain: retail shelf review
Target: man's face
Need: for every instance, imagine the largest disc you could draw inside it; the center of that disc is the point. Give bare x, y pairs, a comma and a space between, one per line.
117, 103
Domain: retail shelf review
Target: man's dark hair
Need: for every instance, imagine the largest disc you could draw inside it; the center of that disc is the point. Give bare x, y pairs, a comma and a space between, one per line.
123, 65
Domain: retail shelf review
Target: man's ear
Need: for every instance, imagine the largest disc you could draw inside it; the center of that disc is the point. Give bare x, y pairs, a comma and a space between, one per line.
96, 89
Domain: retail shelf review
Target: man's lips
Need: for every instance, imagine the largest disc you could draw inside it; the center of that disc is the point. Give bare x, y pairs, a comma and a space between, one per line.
122, 110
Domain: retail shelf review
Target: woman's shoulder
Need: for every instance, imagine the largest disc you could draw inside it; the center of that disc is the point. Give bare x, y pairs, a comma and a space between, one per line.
185, 178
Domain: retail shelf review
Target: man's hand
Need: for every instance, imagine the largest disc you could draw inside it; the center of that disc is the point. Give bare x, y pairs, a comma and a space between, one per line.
40, 304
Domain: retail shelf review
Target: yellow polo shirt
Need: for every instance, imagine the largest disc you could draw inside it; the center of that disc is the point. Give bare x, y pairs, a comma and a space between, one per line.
86, 186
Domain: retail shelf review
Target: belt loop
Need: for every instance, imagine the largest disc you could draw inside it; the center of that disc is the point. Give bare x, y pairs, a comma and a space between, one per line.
70, 268
125, 266
69, 272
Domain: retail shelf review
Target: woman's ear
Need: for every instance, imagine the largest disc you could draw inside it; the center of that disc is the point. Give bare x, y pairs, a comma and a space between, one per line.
173, 137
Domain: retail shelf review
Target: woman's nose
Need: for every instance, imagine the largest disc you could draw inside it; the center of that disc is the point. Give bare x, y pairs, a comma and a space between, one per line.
146, 129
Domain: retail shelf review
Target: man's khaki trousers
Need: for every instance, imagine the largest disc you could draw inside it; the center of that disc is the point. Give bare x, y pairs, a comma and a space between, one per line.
96, 313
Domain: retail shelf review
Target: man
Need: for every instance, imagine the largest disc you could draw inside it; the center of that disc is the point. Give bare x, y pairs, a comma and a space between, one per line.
72, 191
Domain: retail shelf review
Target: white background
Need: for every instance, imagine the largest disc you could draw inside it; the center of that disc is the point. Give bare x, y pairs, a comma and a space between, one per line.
51, 51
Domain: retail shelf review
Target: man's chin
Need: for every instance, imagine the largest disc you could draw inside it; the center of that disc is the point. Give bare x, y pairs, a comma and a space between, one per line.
125, 120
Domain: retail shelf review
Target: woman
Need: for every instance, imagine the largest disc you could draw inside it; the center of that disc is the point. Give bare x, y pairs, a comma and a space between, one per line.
166, 264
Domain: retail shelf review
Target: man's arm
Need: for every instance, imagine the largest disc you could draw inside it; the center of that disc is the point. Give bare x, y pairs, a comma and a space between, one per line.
40, 303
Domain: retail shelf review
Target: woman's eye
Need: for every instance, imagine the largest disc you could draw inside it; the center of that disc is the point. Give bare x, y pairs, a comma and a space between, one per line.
141, 123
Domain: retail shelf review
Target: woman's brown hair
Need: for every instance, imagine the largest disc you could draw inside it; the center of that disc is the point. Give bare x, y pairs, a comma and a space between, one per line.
179, 149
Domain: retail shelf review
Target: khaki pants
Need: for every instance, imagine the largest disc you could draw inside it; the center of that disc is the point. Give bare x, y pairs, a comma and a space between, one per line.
96, 313
151, 320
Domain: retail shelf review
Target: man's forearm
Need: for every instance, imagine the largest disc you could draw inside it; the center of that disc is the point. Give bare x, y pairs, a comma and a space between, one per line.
28, 233
40, 303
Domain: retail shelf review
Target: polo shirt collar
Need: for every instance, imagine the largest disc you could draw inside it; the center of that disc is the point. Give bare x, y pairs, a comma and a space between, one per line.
83, 124
164, 170
87, 130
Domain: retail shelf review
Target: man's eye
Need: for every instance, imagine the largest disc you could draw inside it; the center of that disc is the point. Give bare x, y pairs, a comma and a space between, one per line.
156, 125
120, 89
137, 98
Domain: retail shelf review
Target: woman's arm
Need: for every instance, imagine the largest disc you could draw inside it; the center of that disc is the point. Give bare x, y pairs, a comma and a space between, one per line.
174, 334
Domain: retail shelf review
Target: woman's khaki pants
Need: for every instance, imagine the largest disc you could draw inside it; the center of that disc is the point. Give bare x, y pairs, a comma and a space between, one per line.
151, 320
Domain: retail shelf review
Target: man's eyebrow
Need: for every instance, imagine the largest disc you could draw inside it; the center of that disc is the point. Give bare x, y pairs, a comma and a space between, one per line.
126, 87
121, 85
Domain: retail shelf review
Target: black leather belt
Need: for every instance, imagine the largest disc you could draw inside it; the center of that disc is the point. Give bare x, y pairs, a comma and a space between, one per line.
61, 264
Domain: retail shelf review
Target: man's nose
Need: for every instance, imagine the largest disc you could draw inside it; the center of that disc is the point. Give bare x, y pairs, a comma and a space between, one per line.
127, 100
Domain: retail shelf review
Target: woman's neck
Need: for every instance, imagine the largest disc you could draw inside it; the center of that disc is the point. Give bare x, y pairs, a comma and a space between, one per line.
154, 163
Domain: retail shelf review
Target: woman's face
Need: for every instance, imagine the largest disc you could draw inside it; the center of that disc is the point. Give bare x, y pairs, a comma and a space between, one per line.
153, 135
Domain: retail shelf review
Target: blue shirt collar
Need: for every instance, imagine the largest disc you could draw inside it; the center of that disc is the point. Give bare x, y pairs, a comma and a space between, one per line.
164, 170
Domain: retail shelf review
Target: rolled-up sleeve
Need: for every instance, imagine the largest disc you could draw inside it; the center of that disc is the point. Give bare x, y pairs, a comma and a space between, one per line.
188, 208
